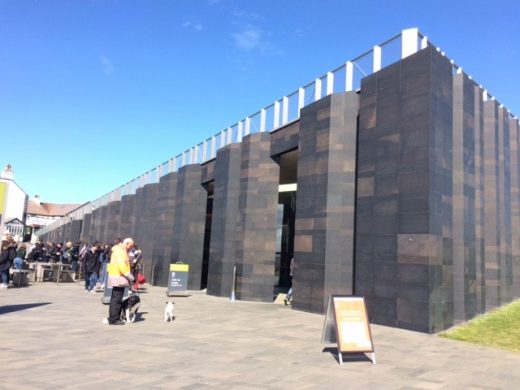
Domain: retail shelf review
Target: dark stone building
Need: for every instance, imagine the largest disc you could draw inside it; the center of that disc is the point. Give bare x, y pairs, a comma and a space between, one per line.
406, 192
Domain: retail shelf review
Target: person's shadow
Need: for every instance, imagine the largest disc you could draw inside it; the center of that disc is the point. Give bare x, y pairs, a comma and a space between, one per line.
12, 308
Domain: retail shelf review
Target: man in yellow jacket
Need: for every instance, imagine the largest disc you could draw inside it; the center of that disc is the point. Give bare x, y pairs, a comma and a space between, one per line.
119, 278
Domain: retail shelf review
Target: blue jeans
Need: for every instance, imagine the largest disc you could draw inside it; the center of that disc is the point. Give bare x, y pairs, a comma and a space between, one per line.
5, 276
18, 263
90, 281
103, 274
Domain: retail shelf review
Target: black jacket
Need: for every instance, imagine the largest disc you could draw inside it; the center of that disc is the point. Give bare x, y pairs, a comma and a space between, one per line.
91, 262
6, 258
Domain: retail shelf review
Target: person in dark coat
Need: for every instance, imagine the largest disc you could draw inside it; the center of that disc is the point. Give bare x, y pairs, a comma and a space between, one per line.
91, 267
7, 257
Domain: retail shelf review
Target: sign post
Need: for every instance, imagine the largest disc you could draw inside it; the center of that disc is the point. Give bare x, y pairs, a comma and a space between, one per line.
178, 279
346, 323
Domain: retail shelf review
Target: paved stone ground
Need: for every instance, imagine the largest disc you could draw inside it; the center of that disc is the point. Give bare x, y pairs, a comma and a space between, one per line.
52, 338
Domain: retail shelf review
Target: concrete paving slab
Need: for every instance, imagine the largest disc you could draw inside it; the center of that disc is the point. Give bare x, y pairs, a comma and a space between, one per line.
53, 338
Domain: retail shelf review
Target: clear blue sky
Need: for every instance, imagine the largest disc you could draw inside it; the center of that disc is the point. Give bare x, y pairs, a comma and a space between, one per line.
94, 93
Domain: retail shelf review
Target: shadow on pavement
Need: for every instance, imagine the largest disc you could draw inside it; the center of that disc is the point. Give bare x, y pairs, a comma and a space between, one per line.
347, 357
12, 308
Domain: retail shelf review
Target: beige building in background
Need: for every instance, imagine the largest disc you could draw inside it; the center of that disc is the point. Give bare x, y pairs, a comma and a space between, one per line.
21, 216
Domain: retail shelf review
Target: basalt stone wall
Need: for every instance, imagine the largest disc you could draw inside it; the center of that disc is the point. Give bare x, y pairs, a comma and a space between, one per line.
66, 232
256, 222
85, 227
126, 217
404, 196
144, 223
190, 221
103, 223
164, 229
75, 230
418, 209
438, 194
224, 221
324, 232
95, 223
112, 222
285, 139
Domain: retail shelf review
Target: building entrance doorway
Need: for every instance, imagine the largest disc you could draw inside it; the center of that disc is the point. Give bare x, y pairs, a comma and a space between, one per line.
285, 220
284, 240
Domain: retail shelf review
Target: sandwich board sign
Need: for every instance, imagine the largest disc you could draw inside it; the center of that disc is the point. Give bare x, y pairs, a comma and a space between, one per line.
346, 324
178, 279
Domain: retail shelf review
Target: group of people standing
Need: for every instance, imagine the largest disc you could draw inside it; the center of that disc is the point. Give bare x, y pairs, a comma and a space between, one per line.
88, 260
95, 259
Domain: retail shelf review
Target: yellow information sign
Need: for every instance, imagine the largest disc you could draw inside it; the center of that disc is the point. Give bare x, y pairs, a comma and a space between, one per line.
178, 279
179, 267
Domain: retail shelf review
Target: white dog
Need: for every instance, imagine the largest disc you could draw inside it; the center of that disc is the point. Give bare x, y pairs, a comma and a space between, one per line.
168, 311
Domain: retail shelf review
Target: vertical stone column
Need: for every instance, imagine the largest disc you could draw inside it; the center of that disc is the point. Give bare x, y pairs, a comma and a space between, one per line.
492, 254
112, 222
464, 250
514, 135
479, 200
85, 228
190, 220
144, 223
60, 233
325, 201
126, 217
164, 229
505, 219
75, 230
404, 212
95, 225
256, 223
66, 232
103, 222
224, 221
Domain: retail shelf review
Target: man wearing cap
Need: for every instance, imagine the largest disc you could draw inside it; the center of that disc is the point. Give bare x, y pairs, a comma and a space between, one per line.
119, 278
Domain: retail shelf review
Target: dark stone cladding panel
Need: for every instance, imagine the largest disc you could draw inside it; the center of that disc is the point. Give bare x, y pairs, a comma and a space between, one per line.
256, 222
58, 236
491, 207
112, 222
85, 228
224, 220
324, 226
514, 135
66, 232
285, 138
208, 171
479, 199
144, 220
164, 229
404, 122
190, 220
103, 223
463, 201
126, 217
95, 225
75, 230
504, 227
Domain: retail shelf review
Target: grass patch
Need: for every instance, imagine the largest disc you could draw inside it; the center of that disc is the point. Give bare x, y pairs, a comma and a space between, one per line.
499, 328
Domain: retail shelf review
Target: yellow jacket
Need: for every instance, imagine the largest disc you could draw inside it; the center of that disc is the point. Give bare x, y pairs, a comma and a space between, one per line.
119, 268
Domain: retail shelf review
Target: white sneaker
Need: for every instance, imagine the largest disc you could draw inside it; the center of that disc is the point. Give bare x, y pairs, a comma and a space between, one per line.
105, 321
92, 291
86, 291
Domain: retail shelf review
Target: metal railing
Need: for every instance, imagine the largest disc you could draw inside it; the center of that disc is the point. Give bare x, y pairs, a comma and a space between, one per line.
346, 77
